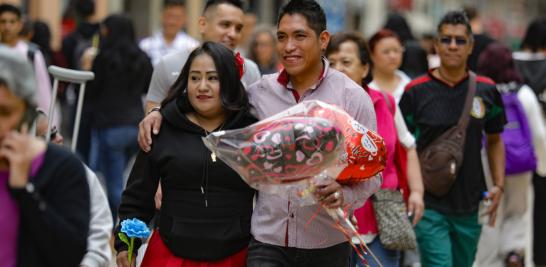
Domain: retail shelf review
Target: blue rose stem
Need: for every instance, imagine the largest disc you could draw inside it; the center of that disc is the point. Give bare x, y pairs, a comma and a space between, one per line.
131, 248
130, 243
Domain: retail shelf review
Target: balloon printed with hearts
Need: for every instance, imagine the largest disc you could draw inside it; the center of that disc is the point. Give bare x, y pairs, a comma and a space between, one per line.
299, 143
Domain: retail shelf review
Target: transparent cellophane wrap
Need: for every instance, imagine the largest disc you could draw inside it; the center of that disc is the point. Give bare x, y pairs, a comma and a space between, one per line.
306, 145
292, 152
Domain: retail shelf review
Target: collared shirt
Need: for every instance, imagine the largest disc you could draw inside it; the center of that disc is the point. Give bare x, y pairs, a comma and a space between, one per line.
156, 47
278, 221
168, 69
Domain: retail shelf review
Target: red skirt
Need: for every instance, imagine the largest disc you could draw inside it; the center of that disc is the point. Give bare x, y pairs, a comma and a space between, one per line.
157, 254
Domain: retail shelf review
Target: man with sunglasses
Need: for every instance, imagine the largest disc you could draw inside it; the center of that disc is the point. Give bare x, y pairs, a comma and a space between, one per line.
449, 231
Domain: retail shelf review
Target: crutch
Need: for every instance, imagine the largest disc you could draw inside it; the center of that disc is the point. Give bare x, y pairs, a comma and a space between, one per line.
71, 76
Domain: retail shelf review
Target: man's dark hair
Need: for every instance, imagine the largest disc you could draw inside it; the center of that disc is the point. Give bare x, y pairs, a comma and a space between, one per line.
535, 36
85, 8
174, 3
213, 3
310, 9
11, 9
455, 18
232, 92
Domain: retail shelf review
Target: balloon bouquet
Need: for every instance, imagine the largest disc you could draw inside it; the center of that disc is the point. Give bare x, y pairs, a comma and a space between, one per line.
289, 153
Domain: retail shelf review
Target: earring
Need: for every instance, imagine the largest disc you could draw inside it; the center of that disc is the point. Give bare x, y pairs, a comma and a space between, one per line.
185, 92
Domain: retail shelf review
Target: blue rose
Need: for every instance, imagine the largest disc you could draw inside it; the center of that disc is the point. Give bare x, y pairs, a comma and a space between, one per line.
135, 228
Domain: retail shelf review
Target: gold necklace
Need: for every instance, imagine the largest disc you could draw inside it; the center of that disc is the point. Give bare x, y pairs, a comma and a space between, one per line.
213, 153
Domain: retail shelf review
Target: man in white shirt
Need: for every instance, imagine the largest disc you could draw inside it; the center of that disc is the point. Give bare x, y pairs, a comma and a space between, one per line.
222, 22
171, 38
10, 26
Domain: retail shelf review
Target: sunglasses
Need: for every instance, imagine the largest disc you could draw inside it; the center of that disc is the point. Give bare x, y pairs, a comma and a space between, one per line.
447, 40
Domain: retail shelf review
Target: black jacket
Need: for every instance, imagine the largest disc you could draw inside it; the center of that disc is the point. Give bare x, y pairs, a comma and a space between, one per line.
79, 39
206, 206
414, 60
54, 220
481, 42
114, 97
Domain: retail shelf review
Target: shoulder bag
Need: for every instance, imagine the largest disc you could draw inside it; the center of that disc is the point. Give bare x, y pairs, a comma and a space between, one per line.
441, 160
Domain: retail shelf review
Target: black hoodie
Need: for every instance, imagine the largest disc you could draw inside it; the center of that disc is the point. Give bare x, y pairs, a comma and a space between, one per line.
532, 67
206, 206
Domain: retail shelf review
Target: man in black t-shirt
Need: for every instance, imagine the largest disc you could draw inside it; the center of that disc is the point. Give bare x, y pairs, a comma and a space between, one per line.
449, 231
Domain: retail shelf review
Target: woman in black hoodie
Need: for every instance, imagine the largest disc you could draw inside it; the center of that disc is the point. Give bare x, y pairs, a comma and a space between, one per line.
206, 207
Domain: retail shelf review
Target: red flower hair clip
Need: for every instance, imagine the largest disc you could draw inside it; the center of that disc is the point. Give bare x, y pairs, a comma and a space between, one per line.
240, 62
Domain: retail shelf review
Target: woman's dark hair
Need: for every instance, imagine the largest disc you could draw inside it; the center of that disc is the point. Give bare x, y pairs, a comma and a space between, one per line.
535, 36
232, 92
118, 49
496, 63
380, 35
42, 37
363, 52
398, 24
310, 9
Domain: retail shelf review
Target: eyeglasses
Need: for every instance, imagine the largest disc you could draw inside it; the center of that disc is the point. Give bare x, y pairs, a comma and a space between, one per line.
446, 40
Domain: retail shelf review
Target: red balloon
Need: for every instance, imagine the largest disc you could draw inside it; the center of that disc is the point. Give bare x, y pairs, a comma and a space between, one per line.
365, 150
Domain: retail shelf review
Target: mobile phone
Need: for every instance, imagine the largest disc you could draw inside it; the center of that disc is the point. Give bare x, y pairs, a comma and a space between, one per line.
28, 119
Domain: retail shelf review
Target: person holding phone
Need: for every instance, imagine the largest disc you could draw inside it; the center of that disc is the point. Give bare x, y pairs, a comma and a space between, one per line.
44, 195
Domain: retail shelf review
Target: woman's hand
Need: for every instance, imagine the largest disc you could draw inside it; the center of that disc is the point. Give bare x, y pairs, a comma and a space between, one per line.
123, 261
19, 149
416, 206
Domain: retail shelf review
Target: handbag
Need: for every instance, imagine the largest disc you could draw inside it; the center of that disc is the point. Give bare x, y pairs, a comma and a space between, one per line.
395, 229
441, 160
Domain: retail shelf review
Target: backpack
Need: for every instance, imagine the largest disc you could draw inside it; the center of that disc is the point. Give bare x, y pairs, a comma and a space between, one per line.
518, 142
31, 52
82, 44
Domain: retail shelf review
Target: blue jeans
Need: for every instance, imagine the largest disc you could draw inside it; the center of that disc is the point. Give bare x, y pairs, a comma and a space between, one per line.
387, 257
112, 149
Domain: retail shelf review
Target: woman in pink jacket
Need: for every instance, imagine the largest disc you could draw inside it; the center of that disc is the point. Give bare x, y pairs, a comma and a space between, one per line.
348, 53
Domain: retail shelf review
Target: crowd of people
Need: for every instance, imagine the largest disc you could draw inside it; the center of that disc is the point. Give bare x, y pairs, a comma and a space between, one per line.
466, 99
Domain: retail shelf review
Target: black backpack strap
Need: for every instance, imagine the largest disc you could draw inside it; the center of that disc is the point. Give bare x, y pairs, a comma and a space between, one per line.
31, 53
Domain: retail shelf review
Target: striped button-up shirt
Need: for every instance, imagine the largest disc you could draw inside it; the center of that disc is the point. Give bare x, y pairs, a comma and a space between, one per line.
277, 221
